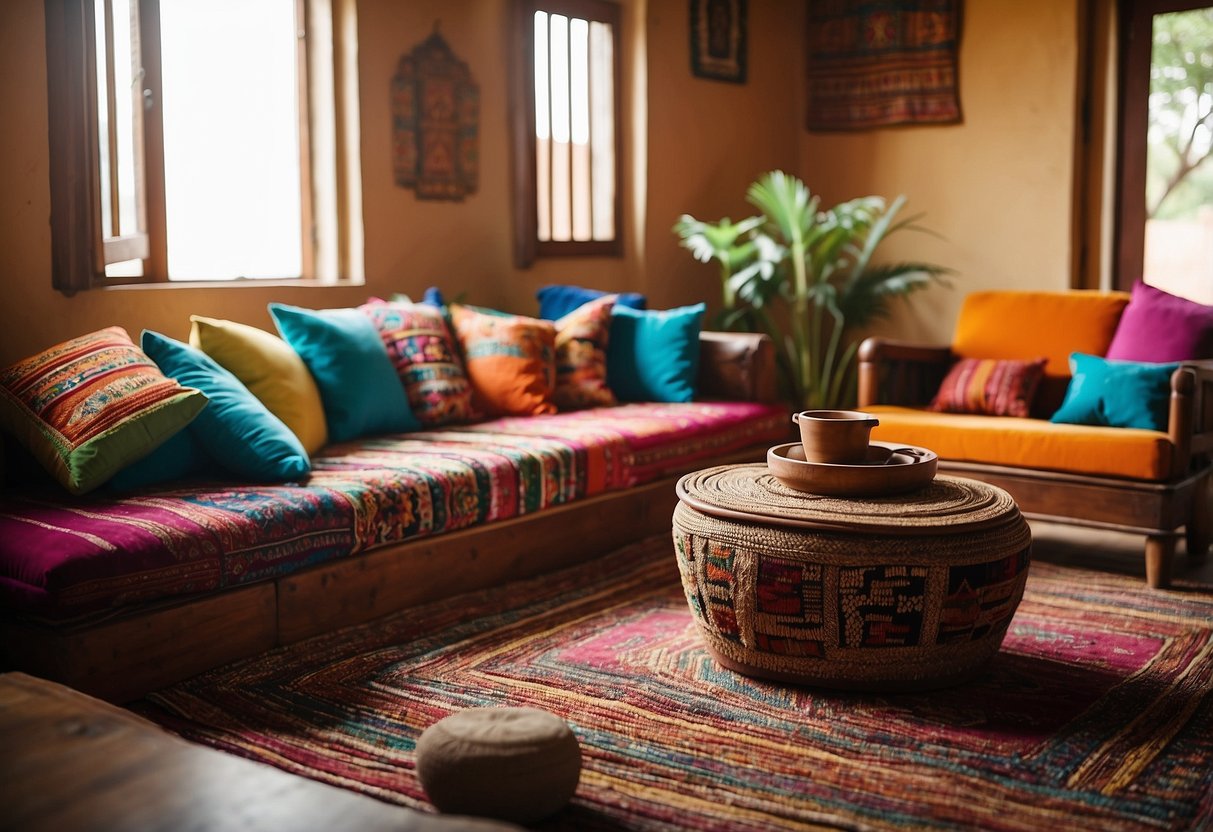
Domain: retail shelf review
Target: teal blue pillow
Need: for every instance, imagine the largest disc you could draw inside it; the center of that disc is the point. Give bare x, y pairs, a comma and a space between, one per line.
235, 428
178, 457
1119, 394
361, 392
653, 355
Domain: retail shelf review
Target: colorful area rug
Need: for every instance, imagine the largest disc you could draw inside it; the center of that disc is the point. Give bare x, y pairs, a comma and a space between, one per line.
1097, 713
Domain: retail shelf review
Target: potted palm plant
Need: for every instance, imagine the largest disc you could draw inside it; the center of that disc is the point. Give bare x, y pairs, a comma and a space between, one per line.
806, 277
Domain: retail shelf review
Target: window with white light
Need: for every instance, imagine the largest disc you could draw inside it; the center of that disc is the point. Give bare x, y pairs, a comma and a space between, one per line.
567, 134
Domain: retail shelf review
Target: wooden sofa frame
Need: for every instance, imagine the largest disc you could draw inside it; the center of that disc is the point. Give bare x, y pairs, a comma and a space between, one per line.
154, 645
898, 373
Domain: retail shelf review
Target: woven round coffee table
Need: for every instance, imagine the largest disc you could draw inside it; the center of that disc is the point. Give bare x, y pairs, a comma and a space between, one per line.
898, 593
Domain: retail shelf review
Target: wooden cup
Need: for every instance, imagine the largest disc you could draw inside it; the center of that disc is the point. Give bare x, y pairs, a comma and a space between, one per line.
835, 436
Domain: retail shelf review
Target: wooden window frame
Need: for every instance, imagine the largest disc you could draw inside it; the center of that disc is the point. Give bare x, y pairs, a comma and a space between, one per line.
80, 249
527, 245
1136, 40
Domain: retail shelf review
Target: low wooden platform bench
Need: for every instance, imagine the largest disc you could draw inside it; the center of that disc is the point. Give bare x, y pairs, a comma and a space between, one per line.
233, 571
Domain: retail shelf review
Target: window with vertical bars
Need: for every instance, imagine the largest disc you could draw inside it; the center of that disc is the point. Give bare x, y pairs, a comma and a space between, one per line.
567, 129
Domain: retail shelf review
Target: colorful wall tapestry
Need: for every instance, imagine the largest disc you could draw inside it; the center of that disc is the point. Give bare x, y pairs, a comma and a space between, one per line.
435, 123
877, 63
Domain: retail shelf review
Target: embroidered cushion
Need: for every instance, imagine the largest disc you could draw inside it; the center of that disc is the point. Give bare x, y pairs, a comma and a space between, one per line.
361, 392
581, 341
271, 370
90, 406
510, 360
1119, 394
653, 356
236, 429
990, 387
426, 359
1157, 326
557, 301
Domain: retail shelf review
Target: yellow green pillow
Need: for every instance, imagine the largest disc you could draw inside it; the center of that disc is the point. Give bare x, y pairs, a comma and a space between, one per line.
271, 370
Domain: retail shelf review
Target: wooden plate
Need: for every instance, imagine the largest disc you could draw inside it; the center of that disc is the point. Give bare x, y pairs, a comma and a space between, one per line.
890, 469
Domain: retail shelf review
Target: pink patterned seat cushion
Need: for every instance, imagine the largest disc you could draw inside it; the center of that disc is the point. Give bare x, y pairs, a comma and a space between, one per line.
62, 557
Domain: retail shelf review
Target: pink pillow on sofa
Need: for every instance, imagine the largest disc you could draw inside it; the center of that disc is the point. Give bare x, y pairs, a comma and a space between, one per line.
1160, 327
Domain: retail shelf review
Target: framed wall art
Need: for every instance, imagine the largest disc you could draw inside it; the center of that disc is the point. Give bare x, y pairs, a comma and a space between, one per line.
718, 40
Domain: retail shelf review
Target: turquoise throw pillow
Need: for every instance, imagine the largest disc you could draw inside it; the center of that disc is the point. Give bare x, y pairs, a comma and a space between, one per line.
235, 429
1119, 394
179, 457
653, 355
361, 392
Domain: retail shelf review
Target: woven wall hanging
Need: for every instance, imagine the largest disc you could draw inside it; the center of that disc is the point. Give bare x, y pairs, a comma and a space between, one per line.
435, 123
877, 63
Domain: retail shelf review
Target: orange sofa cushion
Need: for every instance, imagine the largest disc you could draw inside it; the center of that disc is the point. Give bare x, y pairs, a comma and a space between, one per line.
1028, 325
1029, 443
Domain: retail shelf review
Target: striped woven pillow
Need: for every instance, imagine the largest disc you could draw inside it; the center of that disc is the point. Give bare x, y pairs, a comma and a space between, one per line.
88, 407
989, 387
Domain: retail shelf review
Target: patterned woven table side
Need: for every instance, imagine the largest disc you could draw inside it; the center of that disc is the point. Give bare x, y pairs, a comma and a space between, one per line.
752, 493
856, 609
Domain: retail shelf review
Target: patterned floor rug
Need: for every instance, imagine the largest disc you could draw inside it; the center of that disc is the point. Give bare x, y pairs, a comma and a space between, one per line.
1097, 713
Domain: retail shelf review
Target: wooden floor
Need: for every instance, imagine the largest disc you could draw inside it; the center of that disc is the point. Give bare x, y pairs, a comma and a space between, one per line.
70, 762
1112, 552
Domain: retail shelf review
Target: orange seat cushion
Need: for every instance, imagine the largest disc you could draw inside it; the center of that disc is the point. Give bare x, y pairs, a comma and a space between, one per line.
1029, 443
1028, 325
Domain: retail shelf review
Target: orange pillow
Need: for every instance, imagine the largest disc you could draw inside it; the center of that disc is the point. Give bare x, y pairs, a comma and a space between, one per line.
1028, 325
510, 360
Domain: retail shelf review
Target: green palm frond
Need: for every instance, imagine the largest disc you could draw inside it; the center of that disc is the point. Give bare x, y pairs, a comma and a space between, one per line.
806, 277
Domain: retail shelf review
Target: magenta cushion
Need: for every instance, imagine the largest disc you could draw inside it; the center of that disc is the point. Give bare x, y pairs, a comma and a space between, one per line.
67, 556
1157, 326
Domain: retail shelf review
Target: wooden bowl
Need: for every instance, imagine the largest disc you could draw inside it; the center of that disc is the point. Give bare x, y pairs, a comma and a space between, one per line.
890, 468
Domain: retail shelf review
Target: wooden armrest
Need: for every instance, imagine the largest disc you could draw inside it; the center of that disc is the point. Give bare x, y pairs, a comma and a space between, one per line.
898, 372
1190, 422
877, 349
737, 365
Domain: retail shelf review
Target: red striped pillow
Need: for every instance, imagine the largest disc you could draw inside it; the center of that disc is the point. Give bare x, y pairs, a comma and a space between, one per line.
90, 406
989, 387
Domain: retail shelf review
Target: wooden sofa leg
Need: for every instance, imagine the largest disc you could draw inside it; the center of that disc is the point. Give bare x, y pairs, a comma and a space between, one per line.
1200, 519
1160, 551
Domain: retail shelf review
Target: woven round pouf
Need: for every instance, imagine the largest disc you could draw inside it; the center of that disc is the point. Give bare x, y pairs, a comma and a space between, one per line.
905, 592
516, 764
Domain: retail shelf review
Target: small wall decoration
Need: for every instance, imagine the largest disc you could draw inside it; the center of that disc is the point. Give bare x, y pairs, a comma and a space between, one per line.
718, 39
874, 63
435, 122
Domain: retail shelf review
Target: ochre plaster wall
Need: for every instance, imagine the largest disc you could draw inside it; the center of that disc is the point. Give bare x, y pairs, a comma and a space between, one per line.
997, 188
705, 141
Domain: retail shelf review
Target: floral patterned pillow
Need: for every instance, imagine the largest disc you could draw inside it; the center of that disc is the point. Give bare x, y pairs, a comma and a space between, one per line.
581, 342
426, 359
